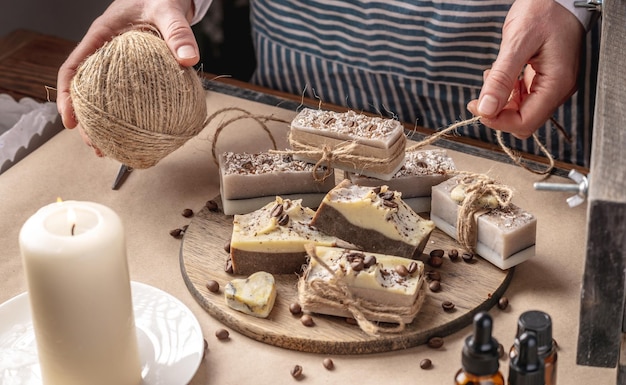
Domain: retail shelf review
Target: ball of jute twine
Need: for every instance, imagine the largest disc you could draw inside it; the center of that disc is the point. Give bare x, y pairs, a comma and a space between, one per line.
135, 102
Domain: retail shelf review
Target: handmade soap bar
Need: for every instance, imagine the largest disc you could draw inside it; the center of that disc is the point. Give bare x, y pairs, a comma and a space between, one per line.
386, 283
422, 169
359, 143
505, 236
250, 181
272, 238
254, 295
373, 218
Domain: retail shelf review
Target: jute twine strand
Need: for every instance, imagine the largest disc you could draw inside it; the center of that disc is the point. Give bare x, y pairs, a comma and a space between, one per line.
335, 293
135, 102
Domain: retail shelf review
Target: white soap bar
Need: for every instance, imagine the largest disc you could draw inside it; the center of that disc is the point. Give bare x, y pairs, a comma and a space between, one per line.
254, 295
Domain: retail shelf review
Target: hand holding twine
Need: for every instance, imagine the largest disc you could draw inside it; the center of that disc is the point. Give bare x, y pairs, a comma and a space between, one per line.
135, 102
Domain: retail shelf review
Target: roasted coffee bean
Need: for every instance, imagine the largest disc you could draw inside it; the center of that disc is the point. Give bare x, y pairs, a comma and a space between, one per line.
376, 190
187, 213
503, 303
437, 253
295, 308
387, 195
277, 210
435, 342
434, 286
283, 220
222, 334
433, 275
453, 254
351, 321
228, 267
328, 364
369, 261
390, 204
426, 363
177, 233
296, 372
352, 255
435, 261
500, 351
402, 270
447, 305
468, 257
213, 286
357, 264
412, 267
227, 246
307, 320
211, 205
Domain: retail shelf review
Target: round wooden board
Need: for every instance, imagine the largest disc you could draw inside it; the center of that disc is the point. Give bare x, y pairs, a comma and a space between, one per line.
472, 287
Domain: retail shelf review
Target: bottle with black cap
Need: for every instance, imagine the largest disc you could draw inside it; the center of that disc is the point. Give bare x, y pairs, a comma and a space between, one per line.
527, 368
539, 323
480, 364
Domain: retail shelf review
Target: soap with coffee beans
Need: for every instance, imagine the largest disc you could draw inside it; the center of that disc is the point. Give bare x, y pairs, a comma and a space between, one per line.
272, 238
248, 181
372, 146
505, 235
382, 283
375, 219
254, 295
422, 169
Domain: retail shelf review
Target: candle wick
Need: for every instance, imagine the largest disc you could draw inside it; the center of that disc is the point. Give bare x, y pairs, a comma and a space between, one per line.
73, 227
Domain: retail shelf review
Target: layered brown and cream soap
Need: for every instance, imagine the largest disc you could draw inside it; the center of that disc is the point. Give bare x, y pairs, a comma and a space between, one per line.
384, 284
362, 144
505, 235
373, 218
250, 181
422, 169
272, 238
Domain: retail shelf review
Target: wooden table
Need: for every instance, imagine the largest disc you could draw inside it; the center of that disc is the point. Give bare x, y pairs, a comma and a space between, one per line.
151, 201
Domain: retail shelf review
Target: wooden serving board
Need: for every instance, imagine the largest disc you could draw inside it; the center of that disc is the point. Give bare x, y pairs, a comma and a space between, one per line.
472, 287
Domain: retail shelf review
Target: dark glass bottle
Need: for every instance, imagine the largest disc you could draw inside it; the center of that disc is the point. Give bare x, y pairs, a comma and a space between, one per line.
479, 360
527, 368
539, 323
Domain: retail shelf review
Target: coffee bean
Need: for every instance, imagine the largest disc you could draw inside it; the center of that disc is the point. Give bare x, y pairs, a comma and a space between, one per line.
307, 320
437, 253
434, 286
283, 220
187, 213
447, 306
228, 267
351, 321
376, 190
177, 233
213, 286
435, 342
352, 255
435, 261
328, 364
390, 204
295, 308
227, 246
468, 257
500, 351
222, 334
211, 205
277, 210
412, 267
433, 275
402, 270
369, 261
453, 254
503, 303
357, 264
387, 195
426, 363
296, 372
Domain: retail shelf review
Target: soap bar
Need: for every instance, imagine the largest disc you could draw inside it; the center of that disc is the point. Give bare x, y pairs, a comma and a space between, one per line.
422, 169
506, 236
272, 238
373, 218
379, 279
250, 181
376, 145
254, 295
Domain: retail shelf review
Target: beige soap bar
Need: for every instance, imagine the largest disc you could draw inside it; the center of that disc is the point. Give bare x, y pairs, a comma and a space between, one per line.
379, 279
250, 181
373, 218
380, 142
254, 295
506, 236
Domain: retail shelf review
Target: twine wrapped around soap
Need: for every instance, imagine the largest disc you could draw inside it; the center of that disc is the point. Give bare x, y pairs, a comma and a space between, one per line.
135, 102
335, 293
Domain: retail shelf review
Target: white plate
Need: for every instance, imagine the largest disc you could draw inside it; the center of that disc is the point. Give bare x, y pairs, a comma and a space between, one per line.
170, 339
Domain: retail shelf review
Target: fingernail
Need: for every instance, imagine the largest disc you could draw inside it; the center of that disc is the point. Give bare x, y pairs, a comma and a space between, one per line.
186, 52
487, 105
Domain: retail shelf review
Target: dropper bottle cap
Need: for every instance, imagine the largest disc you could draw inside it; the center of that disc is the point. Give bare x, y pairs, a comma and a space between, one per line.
527, 368
541, 324
480, 353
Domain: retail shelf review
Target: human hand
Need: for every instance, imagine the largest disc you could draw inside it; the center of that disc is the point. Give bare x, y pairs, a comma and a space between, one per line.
170, 17
547, 38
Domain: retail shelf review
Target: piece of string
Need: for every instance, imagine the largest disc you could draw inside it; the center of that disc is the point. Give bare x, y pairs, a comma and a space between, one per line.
335, 293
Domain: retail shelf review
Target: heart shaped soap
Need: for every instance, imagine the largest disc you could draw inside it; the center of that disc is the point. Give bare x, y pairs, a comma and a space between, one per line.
254, 295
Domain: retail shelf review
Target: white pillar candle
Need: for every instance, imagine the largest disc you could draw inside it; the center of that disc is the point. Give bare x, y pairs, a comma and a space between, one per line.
74, 256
